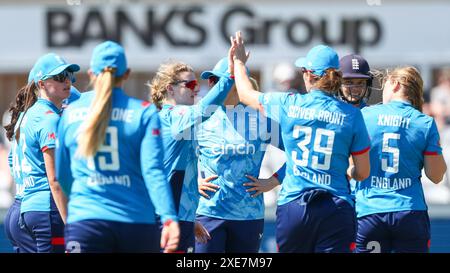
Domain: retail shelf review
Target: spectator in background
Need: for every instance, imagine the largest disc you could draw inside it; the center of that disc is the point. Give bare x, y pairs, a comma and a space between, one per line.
439, 108
440, 100
286, 79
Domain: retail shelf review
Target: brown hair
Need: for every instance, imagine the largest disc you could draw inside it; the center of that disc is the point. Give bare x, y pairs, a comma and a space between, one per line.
330, 81
25, 98
409, 77
167, 74
94, 128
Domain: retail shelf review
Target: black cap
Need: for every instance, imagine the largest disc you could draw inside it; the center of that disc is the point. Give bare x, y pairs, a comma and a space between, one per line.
354, 66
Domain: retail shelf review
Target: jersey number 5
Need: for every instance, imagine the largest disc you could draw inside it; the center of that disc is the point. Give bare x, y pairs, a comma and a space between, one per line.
326, 150
112, 149
395, 152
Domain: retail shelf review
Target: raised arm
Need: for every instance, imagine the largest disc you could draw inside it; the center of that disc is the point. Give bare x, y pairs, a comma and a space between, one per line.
247, 95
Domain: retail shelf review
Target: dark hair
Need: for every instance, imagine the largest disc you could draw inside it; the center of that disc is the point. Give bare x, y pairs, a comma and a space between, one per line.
25, 98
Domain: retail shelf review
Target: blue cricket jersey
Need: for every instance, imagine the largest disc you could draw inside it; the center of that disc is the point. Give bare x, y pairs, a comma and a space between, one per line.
232, 143
401, 136
37, 134
125, 180
180, 160
16, 173
353, 181
319, 133
15, 160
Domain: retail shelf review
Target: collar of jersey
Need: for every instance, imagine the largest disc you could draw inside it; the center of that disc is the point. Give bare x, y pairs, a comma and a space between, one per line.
49, 104
401, 102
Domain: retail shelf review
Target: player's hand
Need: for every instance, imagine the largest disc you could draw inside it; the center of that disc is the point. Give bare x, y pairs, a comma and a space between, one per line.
201, 234
231, 55
204, 185
170, 236
261, 185
239, 52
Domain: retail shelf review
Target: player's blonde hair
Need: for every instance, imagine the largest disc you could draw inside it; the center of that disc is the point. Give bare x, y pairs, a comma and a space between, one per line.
330, 82
167, 74
409, 77
94, 127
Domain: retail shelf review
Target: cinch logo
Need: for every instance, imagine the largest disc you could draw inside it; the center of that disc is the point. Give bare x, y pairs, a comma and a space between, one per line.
240, 149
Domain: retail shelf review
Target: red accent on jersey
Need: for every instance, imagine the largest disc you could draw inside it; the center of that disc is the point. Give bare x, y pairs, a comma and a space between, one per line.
145, 103
155, 132
361, 152
352, 246
45, 148
49, 112
51, 135
58, 241
430, 153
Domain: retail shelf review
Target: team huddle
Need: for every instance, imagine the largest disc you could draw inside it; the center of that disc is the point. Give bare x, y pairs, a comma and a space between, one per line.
100, 171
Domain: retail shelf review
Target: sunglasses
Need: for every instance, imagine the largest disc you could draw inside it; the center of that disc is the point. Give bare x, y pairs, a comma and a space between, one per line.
61, 77
188, 84
304, 70
214, 79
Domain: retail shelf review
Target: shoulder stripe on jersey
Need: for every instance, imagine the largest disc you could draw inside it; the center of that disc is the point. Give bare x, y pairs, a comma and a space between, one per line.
362, 151
430, 153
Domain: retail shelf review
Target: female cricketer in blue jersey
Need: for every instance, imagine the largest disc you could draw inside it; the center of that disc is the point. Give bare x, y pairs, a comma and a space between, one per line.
356, 87
21, 240
109, 165
42, 209
173, 90
390, 204
315, 210
356, 80
232, 144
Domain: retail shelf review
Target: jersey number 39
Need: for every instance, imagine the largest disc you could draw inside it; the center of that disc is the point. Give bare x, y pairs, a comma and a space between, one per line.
326, 150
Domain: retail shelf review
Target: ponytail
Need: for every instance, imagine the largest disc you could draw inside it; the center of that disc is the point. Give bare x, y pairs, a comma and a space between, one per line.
25, 98
409, 77
330, 81
94, 128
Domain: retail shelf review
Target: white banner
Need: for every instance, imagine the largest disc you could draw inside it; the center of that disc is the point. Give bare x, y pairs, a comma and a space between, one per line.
390, 33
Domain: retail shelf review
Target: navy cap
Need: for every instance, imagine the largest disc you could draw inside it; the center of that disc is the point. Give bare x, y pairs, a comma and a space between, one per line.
319, 59
354, 66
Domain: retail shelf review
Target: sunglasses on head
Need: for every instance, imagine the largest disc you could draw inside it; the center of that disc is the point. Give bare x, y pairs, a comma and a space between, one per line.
188, 84
61, 77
